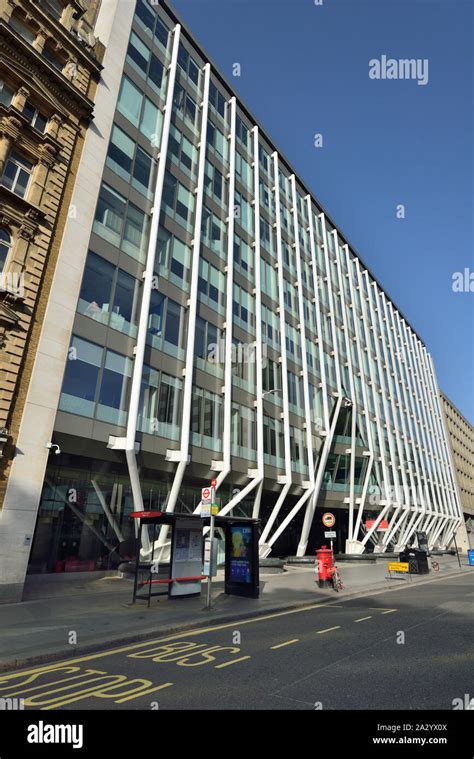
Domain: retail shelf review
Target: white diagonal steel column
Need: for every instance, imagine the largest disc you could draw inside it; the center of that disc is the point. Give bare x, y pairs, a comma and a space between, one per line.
258, 479
258, 326
192, 308
285, 416
148, 284
387, 501
365, 412
352, 391
304, 362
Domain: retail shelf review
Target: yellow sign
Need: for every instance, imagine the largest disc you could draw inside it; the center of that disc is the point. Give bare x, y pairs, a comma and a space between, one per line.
215, 510
398, 566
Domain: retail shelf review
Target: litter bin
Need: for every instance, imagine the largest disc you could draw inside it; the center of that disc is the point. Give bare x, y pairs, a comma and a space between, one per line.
470, 557
417, 561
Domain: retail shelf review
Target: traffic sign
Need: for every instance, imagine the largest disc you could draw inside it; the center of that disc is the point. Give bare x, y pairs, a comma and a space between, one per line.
213, 483
398, 566
206, 495
330, 534
329, 520
206, 510
214, 510
382, 525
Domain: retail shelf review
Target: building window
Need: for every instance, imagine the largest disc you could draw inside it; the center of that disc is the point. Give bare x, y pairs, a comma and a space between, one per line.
165, 325
5, 244
211, 286
93, 387
160, 404
189, 65
216, 142
145, 62
216, 100
172, 259
6, 94
130, 162
52, 56
244, 432
182, 151
123, 225
130, 101
243, 308
36, 119
184, 105
243, 257
54, 7
213, 183
213, 232
112, 400
17, 173
109, 295
178, 201
81, 378
21, 27
206, 419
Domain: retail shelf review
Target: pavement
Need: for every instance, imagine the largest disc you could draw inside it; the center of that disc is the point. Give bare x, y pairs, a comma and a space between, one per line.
62, 620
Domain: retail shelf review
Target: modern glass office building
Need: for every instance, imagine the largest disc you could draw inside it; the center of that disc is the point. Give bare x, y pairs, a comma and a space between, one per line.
210, 320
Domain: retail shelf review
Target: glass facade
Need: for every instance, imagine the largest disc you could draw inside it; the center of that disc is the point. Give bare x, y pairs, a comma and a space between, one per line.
301, 368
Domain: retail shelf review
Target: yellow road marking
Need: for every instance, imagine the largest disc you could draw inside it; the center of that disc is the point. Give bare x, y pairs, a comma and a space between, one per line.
234, 661
143, 693
362, 619
389, 611
187, 633
328, 630
287, 643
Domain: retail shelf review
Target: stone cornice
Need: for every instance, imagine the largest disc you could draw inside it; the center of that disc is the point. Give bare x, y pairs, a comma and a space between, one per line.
41, 76
62, 35
19, 210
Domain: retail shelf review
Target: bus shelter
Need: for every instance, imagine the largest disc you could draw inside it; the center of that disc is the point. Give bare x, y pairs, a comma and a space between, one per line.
187, 566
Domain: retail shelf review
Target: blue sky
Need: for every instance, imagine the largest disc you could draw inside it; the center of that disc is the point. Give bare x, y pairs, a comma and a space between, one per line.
304, 70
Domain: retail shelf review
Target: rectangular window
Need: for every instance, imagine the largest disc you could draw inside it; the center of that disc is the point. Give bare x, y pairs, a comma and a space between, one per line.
81, 377
121, 153
145, 16
6, 94
130, 101
96, 289
109, 215
112, 403
135, 233
17, 173
138, 54
36, 119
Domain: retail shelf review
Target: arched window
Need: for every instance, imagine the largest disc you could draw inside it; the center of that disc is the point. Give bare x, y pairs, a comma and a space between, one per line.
5, 244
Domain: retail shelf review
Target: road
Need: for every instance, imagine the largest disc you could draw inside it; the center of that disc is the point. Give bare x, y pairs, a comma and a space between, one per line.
406, 649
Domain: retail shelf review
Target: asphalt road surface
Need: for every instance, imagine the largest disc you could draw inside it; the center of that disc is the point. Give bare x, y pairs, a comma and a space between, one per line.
407, 649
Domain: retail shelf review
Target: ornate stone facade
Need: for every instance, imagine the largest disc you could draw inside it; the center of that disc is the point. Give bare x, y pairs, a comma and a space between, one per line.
50, 64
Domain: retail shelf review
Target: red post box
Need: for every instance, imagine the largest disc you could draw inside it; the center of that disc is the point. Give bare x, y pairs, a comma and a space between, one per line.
325, 566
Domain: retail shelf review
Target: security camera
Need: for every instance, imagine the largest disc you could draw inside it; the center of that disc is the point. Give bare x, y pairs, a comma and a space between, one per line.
55, 446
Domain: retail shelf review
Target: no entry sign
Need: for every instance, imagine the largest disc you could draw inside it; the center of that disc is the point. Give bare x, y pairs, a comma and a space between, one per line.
329, 520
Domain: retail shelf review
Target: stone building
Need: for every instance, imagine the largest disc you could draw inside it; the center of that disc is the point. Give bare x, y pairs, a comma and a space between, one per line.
50, 64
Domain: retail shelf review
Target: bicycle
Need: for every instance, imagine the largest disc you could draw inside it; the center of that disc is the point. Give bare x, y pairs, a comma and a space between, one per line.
336, 580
